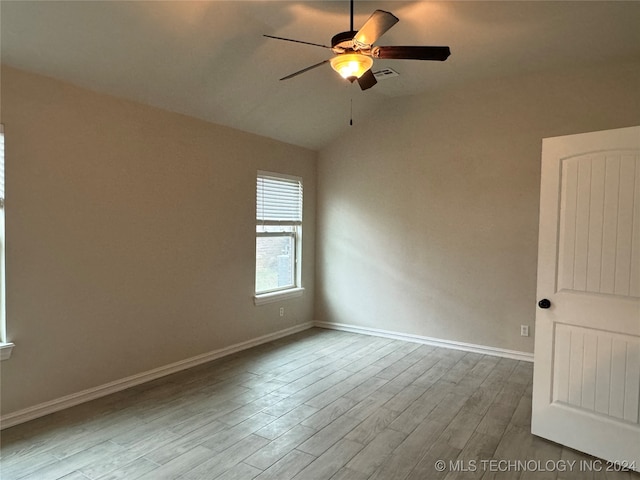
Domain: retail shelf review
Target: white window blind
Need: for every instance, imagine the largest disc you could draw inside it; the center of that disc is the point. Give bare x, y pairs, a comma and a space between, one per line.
278, 199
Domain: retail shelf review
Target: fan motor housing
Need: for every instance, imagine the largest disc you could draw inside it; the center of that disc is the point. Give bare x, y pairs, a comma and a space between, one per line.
343, 41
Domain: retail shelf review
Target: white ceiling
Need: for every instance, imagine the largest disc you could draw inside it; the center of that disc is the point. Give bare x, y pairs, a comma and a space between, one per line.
208, 59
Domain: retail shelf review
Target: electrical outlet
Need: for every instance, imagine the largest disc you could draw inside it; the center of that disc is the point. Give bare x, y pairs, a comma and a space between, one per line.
282, 311
524, 330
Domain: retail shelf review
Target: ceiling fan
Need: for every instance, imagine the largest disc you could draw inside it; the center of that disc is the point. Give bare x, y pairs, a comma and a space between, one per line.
354, 50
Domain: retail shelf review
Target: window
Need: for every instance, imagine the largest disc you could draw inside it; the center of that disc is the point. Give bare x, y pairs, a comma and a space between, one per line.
278, 235
5, 347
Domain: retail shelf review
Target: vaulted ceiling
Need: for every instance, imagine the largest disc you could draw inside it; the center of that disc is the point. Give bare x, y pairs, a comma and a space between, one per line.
209, 59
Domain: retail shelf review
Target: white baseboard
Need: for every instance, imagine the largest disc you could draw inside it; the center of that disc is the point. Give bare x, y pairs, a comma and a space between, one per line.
467, 347
31, 413
52, 406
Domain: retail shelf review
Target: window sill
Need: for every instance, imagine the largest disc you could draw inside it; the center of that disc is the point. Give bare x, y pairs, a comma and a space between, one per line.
277, 296
5, 350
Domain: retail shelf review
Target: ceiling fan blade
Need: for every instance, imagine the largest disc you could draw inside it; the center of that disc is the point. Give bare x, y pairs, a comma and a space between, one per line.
296, 41
377, 24
304, 70
411, 53
367, 80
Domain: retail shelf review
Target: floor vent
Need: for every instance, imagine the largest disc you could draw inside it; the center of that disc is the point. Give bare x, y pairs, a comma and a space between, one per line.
385, 73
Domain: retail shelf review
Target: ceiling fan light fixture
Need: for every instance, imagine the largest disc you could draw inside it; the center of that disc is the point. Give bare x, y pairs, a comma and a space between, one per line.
351, 65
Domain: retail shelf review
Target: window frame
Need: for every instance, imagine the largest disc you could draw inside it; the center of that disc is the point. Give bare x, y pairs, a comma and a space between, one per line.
294, 260
6, 347
289, 228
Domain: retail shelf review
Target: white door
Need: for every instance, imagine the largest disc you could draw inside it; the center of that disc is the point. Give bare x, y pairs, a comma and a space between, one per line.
586, 385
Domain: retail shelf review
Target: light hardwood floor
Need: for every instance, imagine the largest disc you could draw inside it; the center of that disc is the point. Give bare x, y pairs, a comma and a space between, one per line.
320, 405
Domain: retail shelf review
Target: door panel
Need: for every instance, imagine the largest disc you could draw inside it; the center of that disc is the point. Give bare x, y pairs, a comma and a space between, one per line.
597, 371
596, 224
587, 351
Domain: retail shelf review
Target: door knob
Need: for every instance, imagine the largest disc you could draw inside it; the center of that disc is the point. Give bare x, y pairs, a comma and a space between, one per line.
544, 303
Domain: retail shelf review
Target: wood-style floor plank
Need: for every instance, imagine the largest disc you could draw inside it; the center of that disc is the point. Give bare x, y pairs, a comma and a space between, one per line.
320, 404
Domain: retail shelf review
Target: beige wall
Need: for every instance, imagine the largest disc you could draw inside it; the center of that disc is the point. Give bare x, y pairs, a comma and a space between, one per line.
428, 214
130, 233
130, 238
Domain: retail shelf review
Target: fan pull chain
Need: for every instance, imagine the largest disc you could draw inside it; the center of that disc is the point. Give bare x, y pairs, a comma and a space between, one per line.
351, 113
